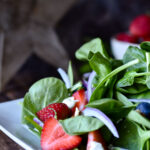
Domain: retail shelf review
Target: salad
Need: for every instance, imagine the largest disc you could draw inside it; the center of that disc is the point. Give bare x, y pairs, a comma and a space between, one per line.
109, 109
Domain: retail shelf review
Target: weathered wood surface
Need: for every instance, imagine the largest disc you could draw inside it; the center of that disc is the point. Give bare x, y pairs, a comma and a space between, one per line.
7, 144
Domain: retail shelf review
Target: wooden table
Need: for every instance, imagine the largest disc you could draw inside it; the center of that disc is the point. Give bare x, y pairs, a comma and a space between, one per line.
7, 144
33, 70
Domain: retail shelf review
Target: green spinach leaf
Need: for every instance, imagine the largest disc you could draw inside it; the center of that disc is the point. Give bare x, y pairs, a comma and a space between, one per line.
80, 125
131, 135
94, 46
96, 94
43, 92
113, 108
70, 73
143, 95
100, 65
135, 53
148, 69
134, 89
138, 118
123, 99
145, 45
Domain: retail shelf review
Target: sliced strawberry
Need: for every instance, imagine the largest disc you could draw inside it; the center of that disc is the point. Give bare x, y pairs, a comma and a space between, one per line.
80, 95
126, 38
53, 137
57, 110
140, 26
97, 137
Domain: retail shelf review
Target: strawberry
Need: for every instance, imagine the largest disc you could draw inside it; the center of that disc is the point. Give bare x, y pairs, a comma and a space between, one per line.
97, 137
53, 137
140, 26
81, 97
126, 38
146, 38
56, 110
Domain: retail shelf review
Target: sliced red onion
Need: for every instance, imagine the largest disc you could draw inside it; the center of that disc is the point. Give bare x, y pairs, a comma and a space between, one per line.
39, 122
102, 117
89, 86
86, 75
65, 77
139, 100
85, 83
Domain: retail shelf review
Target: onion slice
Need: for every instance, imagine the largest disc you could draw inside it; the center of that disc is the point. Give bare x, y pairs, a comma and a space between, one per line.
89, 85
86, 75
85, 83
139, 100
39, 122
93, 112
65, 77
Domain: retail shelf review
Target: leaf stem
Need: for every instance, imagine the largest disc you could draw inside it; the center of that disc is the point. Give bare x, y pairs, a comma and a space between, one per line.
114, 72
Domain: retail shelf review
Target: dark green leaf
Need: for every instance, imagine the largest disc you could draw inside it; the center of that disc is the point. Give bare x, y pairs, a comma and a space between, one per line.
113, 108
95, 95
134, 89
135, 53
143, 95
100, 65
131, 135
145, 46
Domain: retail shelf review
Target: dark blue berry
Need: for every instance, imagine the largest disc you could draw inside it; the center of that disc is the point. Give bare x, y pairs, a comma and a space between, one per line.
144, 109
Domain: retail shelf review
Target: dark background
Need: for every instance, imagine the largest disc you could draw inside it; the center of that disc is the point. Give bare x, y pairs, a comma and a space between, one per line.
86, 19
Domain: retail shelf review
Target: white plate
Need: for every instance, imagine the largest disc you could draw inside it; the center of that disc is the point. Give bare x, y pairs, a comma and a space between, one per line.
10, 124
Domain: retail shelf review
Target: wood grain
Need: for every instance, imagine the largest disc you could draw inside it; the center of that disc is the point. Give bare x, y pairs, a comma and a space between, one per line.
7, 144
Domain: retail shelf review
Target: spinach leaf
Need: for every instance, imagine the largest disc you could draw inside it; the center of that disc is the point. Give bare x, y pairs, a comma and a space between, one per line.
46, 91
113, 108
94, 46
135, 53
138, 118
134, 89
148, 69
145, 45
43, 92
110, 88
123, 99
107, 105
80, 125
143, 95
100, 65
127, 80
140, 80
96, 94
70, 73
131, 135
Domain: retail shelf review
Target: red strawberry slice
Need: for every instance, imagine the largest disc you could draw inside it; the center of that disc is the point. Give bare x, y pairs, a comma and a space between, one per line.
140, 26
53, 137
80, 95
55, 110
97, 137
126, 38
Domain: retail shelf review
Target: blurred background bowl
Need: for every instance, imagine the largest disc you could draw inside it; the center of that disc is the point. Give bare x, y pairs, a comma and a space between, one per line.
119, 47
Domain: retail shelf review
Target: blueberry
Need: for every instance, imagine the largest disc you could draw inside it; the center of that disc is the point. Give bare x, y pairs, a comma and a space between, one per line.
144, 109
